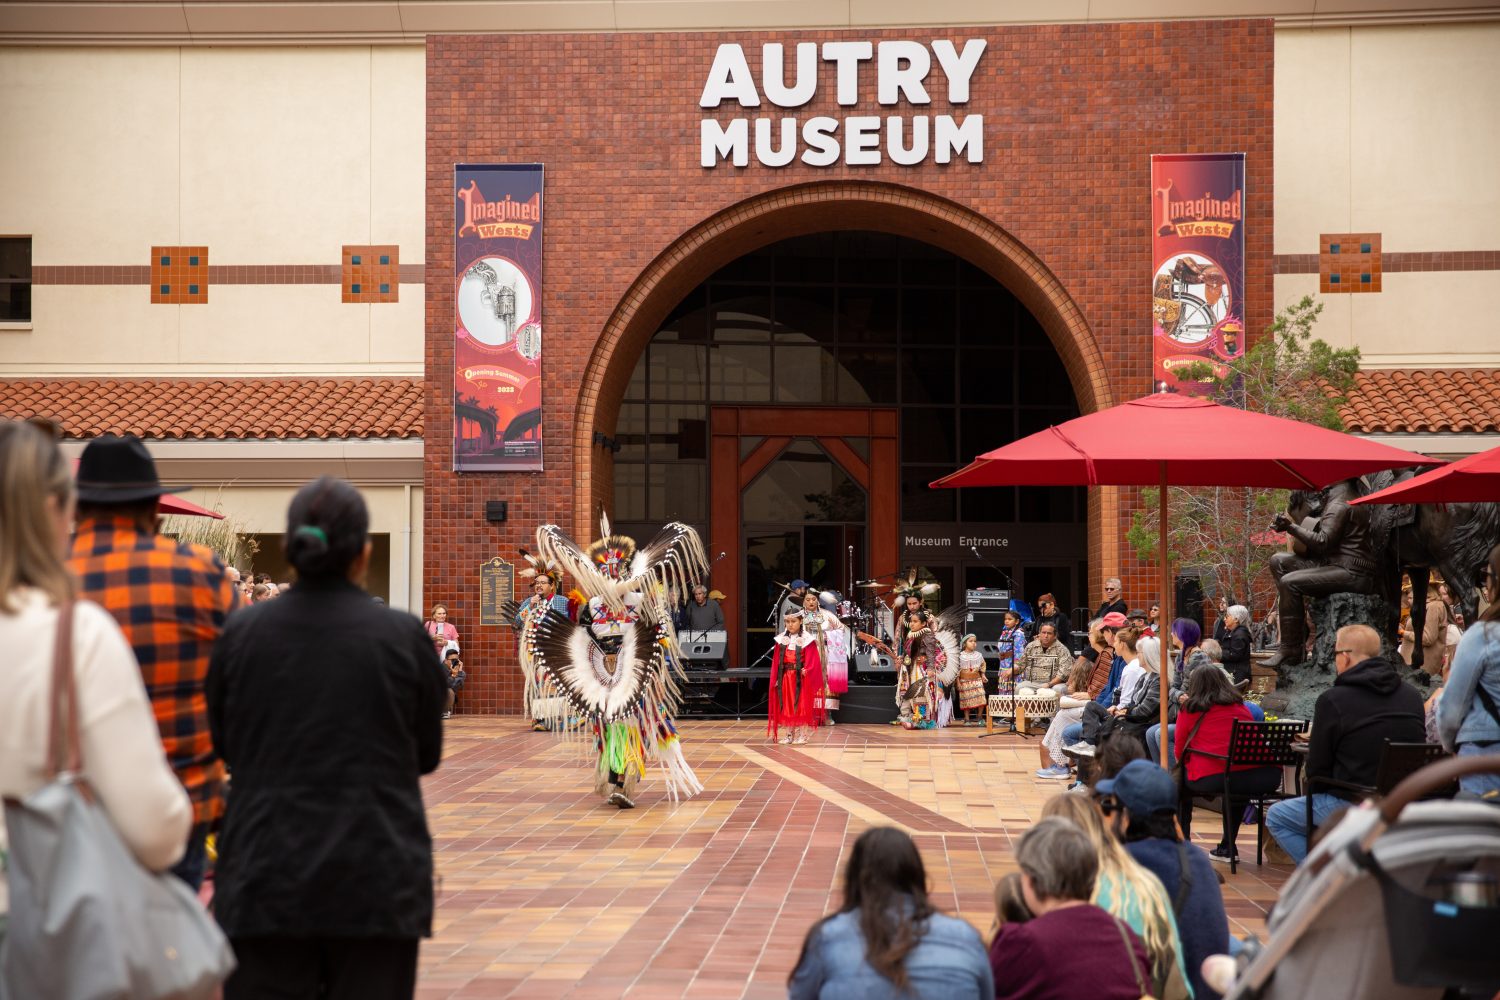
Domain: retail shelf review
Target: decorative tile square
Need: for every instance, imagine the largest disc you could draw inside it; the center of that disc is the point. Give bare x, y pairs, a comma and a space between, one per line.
371, 273
179, 275
1349, 262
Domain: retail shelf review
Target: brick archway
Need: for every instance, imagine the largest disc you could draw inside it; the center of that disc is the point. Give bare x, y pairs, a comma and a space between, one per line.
796, 211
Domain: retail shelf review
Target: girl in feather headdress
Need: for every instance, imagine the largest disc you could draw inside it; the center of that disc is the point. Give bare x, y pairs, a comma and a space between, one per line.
796, 683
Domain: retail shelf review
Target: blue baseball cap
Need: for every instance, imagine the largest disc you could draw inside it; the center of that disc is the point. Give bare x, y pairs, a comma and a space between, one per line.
798, 584
1141, 787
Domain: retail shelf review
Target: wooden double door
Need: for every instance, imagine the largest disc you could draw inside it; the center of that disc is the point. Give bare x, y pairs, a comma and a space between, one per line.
798, 492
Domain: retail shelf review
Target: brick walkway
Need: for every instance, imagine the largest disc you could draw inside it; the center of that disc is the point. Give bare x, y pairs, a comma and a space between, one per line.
546, 892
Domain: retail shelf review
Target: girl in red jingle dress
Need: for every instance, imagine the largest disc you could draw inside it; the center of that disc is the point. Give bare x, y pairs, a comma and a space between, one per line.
796, 679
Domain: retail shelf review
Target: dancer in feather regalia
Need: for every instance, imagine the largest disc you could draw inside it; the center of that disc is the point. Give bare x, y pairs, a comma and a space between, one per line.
617, 667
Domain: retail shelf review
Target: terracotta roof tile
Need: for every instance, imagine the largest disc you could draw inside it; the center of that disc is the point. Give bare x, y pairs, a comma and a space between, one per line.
1424, 401
196, 409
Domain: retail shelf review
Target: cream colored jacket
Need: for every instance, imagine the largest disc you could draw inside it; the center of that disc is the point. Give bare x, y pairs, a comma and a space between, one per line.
122, 754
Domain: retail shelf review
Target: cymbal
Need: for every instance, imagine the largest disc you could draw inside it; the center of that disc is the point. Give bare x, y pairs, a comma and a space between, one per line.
871, 583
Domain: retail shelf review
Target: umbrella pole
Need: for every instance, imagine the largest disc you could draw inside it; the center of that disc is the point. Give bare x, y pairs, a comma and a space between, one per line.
1161, 628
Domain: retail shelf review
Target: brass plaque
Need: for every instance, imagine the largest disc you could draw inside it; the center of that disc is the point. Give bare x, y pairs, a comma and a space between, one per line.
497, 584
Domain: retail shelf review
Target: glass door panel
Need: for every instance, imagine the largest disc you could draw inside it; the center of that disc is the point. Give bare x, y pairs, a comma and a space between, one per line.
772, 557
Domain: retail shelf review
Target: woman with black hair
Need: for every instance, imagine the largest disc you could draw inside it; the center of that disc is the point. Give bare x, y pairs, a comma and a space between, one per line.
324, 878
1204, 724
887, 941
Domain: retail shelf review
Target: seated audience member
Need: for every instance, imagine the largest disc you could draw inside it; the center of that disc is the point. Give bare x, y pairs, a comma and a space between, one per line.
455, 674
1144, 702
1468, 714
1095, 715
1146, 802
1368, 706
1071, 948
1215, 654
1183, 638
1128, 890
1114, 752
1010, 901
1108, 667
1207, 718
1070, 708
887, 941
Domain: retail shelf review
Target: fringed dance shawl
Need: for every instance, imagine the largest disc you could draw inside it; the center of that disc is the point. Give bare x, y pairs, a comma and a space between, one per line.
618, 666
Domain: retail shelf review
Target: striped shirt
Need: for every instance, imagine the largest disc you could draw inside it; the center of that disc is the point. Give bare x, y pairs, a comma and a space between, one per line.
171, 600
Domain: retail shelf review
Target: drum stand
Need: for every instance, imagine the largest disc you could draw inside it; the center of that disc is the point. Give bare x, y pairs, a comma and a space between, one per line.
1011, 727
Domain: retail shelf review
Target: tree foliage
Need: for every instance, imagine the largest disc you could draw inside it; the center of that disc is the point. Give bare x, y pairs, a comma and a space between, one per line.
1223, 533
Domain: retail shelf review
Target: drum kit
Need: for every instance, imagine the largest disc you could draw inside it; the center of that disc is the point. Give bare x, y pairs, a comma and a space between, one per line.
862, 617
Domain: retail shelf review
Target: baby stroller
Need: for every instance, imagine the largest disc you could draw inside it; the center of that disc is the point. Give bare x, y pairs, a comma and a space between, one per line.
1391, 904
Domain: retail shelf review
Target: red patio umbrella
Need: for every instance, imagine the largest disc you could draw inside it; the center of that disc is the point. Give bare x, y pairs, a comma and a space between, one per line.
1175, 440
1473, 479
169, 504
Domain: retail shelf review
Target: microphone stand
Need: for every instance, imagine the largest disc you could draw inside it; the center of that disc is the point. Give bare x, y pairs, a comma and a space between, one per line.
1015, 588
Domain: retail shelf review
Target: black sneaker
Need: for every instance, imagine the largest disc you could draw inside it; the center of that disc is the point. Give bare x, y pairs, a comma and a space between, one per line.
1222, 856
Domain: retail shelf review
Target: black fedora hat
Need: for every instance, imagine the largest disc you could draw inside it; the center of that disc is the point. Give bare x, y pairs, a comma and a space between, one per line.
118, 470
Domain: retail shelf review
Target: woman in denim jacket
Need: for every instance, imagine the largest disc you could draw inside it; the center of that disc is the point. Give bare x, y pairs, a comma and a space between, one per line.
1468, 714
887, 942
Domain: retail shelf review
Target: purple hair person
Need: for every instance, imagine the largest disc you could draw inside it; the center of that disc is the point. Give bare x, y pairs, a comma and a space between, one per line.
1187, 633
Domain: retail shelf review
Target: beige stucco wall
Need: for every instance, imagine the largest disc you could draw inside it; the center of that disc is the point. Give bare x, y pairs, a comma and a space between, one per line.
281, 154
1394, 130
262, 510
274, 155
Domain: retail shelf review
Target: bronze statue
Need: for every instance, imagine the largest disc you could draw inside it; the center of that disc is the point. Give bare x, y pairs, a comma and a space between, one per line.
1332, 554
1367, 549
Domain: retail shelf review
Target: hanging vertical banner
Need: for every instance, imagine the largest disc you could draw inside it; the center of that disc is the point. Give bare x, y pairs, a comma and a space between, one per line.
1198, 267
497, 306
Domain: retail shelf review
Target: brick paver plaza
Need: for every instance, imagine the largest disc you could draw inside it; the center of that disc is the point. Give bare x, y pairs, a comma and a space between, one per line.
546, 892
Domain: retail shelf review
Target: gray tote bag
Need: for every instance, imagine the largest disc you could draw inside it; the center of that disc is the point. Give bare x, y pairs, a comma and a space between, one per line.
87, 921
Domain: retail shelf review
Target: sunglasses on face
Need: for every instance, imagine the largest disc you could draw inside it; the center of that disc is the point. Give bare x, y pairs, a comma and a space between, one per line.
1109, 805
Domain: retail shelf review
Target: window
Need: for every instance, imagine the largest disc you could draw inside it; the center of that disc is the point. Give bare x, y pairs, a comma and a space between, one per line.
846, 318
15, 279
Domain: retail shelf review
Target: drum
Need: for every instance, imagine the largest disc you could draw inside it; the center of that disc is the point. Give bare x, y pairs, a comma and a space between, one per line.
1023, 708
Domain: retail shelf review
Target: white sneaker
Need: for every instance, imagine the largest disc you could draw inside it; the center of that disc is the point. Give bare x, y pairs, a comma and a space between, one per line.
1082, 749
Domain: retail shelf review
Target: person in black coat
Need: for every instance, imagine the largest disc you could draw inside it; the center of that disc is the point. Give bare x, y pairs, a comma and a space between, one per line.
1368, 706
1233, 632
327, 707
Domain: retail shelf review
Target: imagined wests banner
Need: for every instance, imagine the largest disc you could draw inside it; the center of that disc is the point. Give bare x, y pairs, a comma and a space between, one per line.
1198, 268
497, 317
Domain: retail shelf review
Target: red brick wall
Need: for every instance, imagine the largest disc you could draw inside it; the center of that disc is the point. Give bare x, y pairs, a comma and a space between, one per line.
1072, 115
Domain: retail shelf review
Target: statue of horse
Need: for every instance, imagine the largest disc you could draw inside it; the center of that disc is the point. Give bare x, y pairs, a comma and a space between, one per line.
1412, 539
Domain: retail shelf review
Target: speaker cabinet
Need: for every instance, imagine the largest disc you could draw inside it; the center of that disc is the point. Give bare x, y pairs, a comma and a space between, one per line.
873, 704
986, 625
